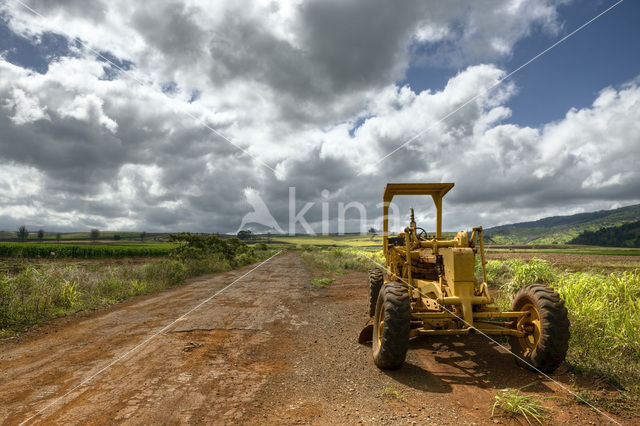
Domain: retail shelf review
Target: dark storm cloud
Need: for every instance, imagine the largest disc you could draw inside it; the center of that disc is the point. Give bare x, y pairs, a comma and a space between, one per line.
171, 29
310, 175
80, 154
75, 156
345, 48
361, 43
242, 48
94, 10
164, 218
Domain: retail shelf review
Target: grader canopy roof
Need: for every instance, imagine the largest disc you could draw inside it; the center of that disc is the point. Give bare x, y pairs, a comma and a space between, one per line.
436, 190
433, 189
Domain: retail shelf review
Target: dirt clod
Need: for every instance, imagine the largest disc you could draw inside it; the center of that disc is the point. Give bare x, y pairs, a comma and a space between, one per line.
191, 346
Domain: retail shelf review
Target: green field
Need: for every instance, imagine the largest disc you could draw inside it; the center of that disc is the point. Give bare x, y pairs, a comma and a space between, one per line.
74, 248
348, 240
85, 251
374, 241
85, 236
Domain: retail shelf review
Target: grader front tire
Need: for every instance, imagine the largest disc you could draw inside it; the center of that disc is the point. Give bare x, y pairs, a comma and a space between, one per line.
391, 327
546, 347
376, 279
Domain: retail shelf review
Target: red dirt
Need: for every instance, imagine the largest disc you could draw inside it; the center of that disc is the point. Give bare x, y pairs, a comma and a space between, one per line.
575, 262
270, 349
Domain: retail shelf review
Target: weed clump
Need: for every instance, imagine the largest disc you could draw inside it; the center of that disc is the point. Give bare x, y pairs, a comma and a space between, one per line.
390, 392
511, 403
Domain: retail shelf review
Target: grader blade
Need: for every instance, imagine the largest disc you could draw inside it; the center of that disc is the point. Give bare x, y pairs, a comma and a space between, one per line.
366, 335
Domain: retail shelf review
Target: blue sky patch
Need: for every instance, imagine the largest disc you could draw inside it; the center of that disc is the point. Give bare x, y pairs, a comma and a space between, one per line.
29, 53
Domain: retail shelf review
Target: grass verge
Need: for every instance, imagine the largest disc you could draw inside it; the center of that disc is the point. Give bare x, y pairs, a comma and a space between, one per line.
328, 264
604, 310
36, 295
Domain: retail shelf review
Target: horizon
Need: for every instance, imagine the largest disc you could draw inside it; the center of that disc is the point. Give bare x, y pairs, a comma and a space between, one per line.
35, 229
184, 117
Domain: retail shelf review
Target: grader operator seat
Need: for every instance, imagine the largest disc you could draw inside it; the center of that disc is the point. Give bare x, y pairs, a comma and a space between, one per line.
435, 190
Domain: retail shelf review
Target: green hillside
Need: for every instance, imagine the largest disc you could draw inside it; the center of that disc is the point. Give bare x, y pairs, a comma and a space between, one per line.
627, 235
561, 229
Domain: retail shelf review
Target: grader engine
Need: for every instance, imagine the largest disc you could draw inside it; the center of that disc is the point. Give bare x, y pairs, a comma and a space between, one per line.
431, 290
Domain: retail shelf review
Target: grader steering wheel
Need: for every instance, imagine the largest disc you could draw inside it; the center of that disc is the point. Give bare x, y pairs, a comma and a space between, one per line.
421, 234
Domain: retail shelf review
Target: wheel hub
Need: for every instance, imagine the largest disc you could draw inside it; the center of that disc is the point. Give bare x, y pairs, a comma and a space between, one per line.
380, 320
531, 327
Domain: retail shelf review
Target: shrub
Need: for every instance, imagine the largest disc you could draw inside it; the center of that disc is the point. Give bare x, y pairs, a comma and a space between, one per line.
321, 282
511, 403
196, 246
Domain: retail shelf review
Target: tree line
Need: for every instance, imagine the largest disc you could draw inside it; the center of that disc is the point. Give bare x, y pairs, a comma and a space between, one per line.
23, 233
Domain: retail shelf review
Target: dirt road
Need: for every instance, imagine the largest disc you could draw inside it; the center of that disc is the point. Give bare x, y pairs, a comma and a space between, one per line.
270, 349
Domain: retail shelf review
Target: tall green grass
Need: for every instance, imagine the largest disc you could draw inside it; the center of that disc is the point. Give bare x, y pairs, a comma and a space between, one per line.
339, 260
605, 319
513, 274
604, 310
328, 263
37, 295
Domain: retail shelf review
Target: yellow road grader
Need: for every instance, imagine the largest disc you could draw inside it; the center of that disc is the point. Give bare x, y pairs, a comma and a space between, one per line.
431, 290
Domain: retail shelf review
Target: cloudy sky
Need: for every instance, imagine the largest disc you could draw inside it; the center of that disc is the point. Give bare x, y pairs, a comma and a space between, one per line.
173, 115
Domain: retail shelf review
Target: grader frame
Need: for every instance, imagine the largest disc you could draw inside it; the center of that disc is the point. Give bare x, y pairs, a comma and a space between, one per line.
439, 273
431, 289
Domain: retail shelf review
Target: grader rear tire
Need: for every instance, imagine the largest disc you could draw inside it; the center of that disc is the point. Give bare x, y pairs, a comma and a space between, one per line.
376, 279
391, 326
547, 347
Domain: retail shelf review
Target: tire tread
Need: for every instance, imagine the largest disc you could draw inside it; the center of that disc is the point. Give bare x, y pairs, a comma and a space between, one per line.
552, 347
391, 353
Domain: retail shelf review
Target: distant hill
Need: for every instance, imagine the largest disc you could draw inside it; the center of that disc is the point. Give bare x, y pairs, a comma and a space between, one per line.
561, 229
627, 235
